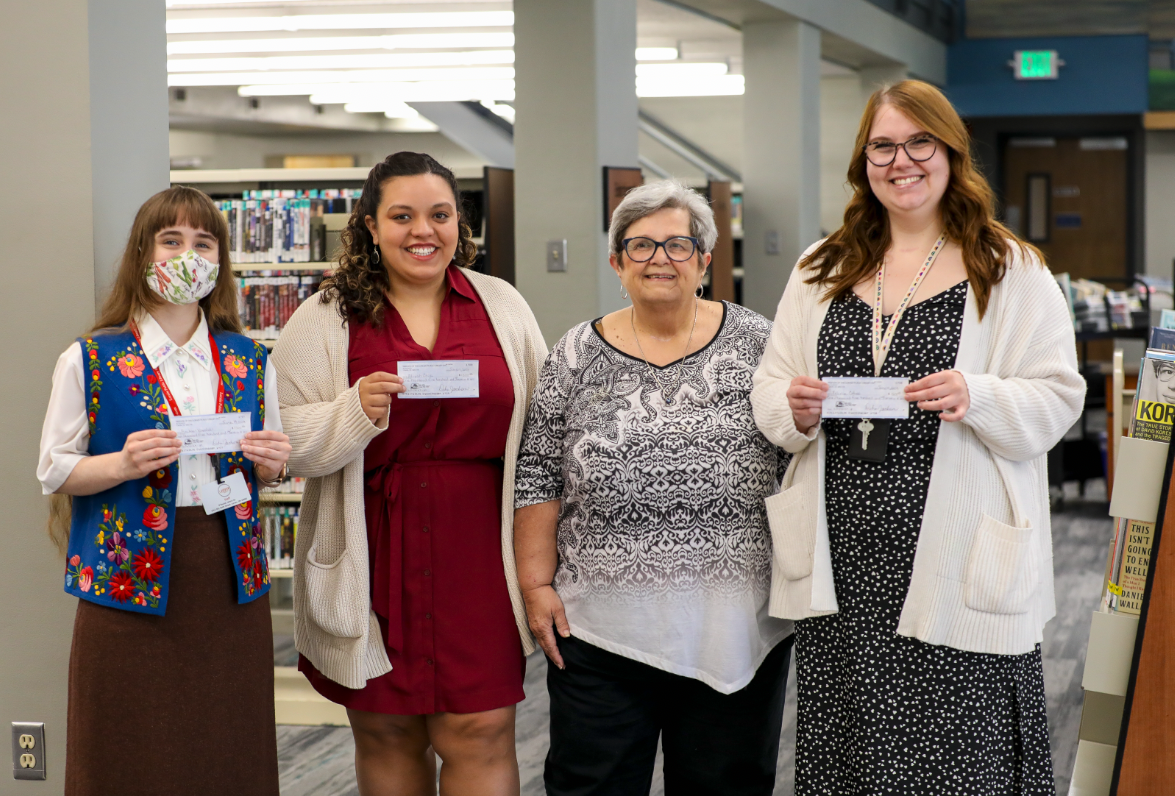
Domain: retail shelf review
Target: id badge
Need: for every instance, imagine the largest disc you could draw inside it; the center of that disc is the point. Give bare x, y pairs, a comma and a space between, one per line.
220, 495
869, 439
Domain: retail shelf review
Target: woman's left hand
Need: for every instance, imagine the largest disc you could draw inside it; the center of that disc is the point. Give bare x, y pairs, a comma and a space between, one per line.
945, 392
268, 450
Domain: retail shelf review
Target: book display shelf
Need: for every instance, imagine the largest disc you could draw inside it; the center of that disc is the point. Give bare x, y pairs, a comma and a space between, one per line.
1129, 677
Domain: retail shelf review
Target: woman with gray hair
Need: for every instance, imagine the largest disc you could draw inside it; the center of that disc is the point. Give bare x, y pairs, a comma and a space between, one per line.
640, 532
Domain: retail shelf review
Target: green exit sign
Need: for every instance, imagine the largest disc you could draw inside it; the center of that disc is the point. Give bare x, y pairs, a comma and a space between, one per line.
1036, 65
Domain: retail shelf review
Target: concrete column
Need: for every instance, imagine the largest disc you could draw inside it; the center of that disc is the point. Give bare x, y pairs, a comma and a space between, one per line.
576, 113
47, 262
51, 158
875, 77
781, 155
128, 121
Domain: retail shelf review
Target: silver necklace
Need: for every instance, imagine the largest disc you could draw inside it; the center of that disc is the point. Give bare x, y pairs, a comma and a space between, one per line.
680, 362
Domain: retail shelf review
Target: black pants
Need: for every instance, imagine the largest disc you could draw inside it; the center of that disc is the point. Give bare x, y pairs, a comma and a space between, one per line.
607, 711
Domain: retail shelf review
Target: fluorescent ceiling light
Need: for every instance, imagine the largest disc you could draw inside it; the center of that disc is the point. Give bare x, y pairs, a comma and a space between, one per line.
342, 93
351, 61
651, 53
681, 71
414, 92
342, 76
408, 41
461, 19
725, 85
171, 3
392, 109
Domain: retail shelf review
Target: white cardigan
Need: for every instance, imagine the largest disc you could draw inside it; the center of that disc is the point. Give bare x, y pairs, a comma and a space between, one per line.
334, 626
983, 576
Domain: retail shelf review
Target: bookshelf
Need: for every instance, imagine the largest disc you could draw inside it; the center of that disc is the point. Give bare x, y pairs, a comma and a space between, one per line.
1143, 763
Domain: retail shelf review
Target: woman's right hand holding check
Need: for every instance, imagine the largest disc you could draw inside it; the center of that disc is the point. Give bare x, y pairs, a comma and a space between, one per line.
375, 394
805, 396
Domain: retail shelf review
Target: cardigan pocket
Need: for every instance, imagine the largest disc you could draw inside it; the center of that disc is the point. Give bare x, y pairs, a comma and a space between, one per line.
793, 532
327, 602
1003, 568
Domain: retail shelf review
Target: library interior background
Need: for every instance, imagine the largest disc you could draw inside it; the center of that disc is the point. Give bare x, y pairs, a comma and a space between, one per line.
277, 109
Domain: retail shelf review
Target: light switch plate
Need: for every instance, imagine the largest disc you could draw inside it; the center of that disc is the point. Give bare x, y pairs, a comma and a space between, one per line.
557, 255
28, 750
771, 242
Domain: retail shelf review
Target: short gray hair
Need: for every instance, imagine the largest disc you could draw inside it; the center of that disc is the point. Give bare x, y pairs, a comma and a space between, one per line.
648, 199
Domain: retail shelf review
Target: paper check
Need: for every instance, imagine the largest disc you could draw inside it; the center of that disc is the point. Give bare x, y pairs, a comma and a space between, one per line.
215, 433
439, 378
866, 397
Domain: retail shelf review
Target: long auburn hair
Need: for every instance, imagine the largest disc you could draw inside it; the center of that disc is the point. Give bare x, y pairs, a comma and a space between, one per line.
360, 282
855, 251
130, 295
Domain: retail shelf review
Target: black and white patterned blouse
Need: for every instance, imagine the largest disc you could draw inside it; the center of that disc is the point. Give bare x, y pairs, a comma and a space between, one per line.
664, 550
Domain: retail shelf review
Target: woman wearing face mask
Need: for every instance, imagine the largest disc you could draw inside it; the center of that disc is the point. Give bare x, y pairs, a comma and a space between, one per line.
915, 551
407, 607
171, 670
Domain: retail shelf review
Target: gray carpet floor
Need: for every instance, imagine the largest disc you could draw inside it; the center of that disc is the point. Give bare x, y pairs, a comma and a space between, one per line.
320, 760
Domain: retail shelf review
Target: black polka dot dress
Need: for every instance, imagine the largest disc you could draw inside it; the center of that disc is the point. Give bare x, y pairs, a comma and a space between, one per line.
881, 713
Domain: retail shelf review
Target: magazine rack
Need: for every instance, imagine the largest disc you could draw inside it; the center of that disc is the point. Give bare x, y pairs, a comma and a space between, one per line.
1143, 765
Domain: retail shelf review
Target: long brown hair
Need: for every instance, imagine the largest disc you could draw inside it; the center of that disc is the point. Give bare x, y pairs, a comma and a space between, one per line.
360, 281
130, 294
854, 252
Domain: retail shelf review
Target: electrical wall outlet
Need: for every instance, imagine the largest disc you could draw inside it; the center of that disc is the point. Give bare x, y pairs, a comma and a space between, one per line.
28, 750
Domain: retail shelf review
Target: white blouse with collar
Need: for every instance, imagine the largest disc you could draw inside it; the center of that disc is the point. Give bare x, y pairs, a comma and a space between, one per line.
188, 371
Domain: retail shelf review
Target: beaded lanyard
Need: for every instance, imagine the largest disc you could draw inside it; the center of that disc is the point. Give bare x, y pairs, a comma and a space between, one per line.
881, 342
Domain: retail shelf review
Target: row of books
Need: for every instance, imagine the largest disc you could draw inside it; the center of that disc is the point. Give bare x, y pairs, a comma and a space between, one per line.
1093, 307
290, 486
1151, 418
267, 299
280, 527
275, 230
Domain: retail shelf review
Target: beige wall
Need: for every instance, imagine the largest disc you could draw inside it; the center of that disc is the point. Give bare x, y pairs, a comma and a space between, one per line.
1160, 202
47, 262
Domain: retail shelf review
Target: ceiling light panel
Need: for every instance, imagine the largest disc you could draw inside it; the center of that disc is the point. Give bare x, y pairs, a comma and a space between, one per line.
296, 22
351, 61
655, 53
339, 93
679, 71
341, 76
408, 41
725, 85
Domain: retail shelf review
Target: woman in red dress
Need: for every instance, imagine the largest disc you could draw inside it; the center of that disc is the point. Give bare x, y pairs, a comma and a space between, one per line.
436, 473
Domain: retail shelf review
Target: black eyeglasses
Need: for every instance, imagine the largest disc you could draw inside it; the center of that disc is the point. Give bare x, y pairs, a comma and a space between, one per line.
919, 148
678, 249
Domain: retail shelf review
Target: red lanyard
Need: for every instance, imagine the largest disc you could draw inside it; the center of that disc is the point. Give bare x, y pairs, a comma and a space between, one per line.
175, 409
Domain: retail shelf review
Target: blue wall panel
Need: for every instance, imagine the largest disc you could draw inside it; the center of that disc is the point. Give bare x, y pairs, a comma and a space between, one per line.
1102, 75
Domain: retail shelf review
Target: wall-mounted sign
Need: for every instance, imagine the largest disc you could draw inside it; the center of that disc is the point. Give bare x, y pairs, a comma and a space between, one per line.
1036, 65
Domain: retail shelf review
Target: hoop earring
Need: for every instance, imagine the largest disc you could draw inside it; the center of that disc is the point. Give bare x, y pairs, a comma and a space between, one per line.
699, 291
623, 292
376, 253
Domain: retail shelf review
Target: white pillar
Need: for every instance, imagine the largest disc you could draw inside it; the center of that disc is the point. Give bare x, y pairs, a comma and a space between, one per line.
61, 175
576, 112
781, 155
128, 121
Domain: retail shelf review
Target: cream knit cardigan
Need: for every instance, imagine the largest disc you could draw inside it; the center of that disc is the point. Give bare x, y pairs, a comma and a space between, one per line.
334, 626
983, 576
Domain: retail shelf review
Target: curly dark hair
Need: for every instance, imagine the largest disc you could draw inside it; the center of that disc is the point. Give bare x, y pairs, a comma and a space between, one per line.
359, 283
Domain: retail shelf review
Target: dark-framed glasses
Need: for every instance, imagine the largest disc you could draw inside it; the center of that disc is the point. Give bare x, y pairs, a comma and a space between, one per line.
919, 148
678, 249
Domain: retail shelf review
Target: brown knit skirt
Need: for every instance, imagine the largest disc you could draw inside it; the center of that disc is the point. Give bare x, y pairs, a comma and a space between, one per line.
177, 704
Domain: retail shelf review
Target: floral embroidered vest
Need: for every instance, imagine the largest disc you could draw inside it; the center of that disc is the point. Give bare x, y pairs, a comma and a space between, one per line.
119, 543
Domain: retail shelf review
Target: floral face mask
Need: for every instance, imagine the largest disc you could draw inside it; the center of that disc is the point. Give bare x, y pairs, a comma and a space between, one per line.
184, 279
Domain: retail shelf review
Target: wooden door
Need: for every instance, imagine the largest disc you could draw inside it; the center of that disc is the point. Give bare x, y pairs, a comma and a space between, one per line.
499, 221
1067, 196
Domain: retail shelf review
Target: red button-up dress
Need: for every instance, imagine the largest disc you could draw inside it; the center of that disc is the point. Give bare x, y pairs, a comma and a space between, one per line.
433, 500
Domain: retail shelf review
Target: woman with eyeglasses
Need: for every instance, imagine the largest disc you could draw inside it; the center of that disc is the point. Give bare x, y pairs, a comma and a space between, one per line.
640, 532
914, 550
